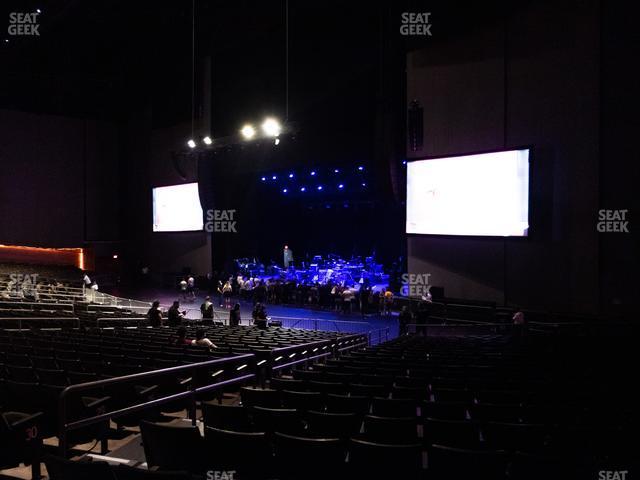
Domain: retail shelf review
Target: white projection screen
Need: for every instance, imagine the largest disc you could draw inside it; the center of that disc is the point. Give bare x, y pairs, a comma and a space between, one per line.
482, 194
177, 208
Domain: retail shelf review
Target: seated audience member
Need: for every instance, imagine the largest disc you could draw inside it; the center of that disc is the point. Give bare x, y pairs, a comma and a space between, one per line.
155, 314
181, 337
259, 316
234, 316
207, 309
519, 324
175, 315
203, 341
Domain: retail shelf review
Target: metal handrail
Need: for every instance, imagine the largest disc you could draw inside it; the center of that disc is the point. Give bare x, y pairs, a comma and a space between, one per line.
191, 393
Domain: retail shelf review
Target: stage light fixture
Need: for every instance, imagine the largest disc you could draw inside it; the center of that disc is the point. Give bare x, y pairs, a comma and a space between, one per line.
319, 187
274, 177
248, 132
276, 141
364, 184
341, 186
38, 10
271, 127
303, 189
264, 179
336, 171
207, 140
361, 168
191, 143
291, 175
313, 173
284, 190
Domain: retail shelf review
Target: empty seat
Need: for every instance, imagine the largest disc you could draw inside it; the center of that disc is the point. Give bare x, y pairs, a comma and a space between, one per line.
391, 430
448, 462
394, 407
515, 436
20, 441
262, 397
379, 460
300, 457
444, 410
453, 433
52, 377
287, 384
226, 417
359, 405
302, 401
172, 447
248, 453
285, 420
327, 424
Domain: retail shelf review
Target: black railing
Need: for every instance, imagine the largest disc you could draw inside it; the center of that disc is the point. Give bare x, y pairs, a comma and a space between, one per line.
228, 371
242, 369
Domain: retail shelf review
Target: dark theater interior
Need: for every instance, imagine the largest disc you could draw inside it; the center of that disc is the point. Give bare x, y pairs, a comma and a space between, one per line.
341, 240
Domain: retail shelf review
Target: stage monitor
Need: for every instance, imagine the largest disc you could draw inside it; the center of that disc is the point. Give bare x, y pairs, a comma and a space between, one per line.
177, 208
484, 194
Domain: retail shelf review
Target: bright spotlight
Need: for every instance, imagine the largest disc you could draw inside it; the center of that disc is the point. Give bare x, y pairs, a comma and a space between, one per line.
303, 189
360, 168
274, 177
271, 127
291, 175
263, 178
284, 190
319, 187
341, 186
313, 173
191, 143
38, 10
276, 141
248, 132
336, 171
207, 140
364, 184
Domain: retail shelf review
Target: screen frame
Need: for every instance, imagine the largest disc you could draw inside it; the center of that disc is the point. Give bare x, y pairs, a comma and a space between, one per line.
174, 232
465, 154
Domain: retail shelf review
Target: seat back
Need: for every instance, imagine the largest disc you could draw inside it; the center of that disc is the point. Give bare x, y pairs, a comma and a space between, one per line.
171, 447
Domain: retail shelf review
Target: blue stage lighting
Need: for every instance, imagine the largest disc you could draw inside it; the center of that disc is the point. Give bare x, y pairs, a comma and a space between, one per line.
291, 175
336, 171
319, 187
274, 177
361, 168
264, 179
313, 173
303, 189
404, 162
364, 184
341, 186
284, 190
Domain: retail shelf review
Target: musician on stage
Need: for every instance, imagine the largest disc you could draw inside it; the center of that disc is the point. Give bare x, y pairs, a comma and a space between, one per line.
288, 256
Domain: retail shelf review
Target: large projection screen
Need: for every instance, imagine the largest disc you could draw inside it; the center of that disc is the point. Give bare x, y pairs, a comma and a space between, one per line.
177, 208
483, 194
